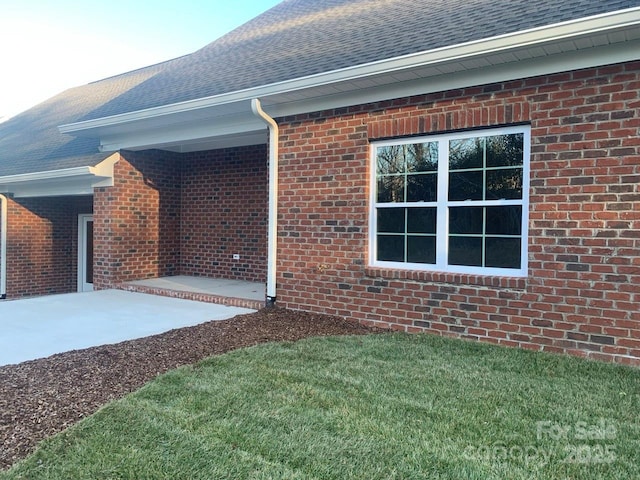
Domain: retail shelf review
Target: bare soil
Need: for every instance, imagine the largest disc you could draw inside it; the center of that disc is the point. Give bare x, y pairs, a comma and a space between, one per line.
42, 397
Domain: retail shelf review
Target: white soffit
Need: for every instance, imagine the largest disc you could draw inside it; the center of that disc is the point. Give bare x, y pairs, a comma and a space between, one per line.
68, 181
191, 125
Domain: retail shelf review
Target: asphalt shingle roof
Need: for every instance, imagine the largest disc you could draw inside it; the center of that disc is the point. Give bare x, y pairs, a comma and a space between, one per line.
30, 142
296, 38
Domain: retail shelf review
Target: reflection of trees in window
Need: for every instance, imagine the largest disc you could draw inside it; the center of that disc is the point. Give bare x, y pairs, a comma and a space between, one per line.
422, 157
504, 184
482, 205
505, 150
504, 158
486, 168
391, 159
407, 173
408, 158
466, 154
391, 189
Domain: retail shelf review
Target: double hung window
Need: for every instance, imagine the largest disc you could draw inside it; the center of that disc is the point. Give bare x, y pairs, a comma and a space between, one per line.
454, 202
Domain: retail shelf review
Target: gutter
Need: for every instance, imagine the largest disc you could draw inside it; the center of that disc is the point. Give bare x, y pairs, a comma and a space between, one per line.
272, 249
65, 181
47, 175
3, 247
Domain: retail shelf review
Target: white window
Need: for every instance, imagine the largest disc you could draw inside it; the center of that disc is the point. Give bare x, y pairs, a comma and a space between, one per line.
452, 203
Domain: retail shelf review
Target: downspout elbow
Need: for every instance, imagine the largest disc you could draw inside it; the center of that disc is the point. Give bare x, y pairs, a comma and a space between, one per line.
272, 250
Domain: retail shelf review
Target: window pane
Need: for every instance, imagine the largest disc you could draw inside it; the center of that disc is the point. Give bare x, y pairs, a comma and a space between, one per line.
504, 220
422, 157
422, 188
391, 248
465, 186
505, 150
465, 251
391, 159
467, 153
391, 220
503, 252
505, 183
391, 189
466, 220
421, 249
421, 220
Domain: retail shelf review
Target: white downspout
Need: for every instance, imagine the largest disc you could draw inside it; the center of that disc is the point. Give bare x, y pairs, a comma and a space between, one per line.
272, 238
3, 247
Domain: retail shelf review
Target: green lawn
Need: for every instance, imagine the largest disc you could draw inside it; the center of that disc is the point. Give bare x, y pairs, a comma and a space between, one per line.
389, 406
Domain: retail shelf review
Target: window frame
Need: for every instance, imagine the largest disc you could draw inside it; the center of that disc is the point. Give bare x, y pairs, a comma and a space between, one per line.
442, 204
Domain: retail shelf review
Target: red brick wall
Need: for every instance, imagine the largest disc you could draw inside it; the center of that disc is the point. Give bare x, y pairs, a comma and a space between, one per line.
170, 214
137, 221
582, 295
224, 212
42, 250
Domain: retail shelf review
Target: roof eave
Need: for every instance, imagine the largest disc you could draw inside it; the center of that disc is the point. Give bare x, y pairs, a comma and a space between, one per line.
66, 181
533, 38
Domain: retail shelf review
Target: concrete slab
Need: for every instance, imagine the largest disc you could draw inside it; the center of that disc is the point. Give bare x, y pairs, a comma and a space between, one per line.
214, 286
40, 327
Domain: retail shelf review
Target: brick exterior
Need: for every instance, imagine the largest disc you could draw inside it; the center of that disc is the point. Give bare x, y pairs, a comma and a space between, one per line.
581, 295
224, 211
42, 244
137, 221
170, 214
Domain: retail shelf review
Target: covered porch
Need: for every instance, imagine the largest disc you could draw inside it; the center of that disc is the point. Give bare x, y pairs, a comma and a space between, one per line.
193, 214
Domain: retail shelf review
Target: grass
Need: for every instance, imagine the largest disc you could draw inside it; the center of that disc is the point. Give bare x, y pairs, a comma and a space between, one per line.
377, 407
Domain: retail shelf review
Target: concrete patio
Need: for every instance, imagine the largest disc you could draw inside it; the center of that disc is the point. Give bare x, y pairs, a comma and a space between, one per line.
236, 293
39, 327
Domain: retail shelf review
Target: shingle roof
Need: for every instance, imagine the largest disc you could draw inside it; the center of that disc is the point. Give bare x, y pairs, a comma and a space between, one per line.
31, 142
294, 39
298, 38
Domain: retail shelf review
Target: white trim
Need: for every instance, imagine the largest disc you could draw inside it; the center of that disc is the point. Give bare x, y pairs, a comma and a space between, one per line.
83, 219
442, 205
66, 181
49, 175
430, 82
272, 234
563, 31
207, 129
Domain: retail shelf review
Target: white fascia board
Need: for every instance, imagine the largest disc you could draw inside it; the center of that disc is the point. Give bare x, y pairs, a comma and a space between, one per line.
66, 181
50, 189
230, 125
610, 54
216, 132
528, 38
194, 144
45, 176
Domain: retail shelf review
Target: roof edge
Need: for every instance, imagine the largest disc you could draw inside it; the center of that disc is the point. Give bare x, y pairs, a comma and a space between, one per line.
538, 36
46, 175
103, 169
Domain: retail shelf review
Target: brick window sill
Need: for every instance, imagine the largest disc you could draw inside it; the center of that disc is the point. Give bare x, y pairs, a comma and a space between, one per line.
515, 283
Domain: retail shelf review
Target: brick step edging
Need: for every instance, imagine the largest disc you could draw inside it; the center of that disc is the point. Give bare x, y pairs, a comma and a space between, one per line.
196, 296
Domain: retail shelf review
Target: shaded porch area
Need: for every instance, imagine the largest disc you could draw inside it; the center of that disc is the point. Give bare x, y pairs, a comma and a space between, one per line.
185, 225
236, 293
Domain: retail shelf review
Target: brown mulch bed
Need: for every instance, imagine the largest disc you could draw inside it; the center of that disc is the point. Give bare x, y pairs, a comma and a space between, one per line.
42, 397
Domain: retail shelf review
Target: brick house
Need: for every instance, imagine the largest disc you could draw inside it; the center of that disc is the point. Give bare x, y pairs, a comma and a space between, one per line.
469, 169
